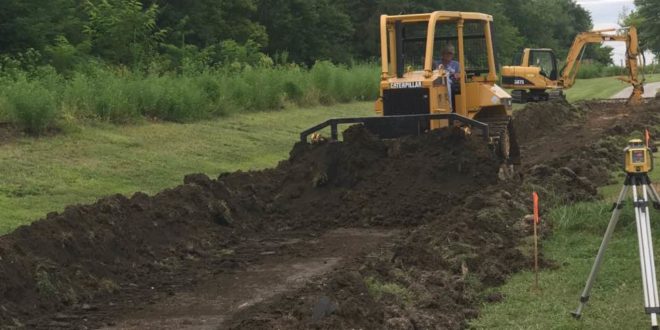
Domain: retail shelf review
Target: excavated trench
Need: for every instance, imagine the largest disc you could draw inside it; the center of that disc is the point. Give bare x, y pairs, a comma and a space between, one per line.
365, 233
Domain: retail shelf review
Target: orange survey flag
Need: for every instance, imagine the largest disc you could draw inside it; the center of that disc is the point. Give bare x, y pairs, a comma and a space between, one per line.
535, 198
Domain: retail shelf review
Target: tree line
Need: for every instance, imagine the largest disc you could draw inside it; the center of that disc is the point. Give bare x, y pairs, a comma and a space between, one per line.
167, 34
646, 18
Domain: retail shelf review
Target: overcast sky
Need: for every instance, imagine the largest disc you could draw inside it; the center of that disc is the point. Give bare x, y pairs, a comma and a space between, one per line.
605, 14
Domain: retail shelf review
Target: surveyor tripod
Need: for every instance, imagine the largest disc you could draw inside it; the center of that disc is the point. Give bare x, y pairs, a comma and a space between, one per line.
641, 190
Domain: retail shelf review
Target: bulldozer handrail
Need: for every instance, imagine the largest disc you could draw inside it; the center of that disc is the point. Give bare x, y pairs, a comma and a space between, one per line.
333, 123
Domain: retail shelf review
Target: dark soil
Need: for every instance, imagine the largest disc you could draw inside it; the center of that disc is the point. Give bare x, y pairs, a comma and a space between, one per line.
461, 228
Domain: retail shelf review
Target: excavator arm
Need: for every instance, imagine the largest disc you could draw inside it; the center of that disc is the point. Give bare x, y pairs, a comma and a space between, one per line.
629, 36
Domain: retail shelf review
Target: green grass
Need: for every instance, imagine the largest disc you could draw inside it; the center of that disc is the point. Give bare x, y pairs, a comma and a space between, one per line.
600, 88
45, 174
43, 99
616, 298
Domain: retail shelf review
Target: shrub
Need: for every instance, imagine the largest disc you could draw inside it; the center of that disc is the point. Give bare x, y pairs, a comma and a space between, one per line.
31, 105
119, 95
590, 70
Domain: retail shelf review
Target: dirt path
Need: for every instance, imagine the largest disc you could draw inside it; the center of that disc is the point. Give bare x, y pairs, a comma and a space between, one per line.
649, 91
285, 267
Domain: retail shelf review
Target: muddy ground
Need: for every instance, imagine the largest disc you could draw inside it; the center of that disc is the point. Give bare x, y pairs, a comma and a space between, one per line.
365, 234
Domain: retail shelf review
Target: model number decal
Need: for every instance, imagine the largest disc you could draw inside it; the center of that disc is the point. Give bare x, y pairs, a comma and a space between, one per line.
519, 82
407, 84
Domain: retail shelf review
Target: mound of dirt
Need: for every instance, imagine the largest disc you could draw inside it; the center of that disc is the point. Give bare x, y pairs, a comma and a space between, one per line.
537, 120
91, 252
462, 227
434, 276
581, 143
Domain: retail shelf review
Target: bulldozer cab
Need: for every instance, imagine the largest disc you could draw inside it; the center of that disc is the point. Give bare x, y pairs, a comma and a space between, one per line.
413, 50
417, 78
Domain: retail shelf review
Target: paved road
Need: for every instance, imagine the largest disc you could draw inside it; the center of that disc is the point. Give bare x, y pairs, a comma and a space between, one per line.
649, 91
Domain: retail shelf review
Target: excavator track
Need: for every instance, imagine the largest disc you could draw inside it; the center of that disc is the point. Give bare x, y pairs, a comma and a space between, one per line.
557, 94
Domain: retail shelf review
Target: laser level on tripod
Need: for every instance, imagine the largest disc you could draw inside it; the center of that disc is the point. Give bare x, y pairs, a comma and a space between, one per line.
638, 162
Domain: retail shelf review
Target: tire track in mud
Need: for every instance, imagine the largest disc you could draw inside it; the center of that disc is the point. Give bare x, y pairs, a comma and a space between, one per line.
207, 305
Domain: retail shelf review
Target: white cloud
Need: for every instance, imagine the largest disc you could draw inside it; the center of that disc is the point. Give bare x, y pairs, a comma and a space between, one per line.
603, 2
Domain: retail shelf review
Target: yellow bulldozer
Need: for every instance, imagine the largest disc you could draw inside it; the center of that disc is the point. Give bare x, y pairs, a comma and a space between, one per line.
425, 86
536, 76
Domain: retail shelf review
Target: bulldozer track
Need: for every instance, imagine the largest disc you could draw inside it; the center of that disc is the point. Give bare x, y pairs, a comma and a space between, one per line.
496, 124
499, 125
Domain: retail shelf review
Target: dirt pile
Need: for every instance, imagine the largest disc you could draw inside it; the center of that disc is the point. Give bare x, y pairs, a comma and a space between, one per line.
431, 279
538, 120
91, 252
435, 275
584, 148
462, 228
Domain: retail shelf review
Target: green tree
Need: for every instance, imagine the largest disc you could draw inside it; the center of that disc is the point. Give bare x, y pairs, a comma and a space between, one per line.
130, 32
308, 30
37, 24
121, 31
646, 19
204, 23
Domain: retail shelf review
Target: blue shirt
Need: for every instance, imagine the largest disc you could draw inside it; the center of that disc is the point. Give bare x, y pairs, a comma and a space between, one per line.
452, 67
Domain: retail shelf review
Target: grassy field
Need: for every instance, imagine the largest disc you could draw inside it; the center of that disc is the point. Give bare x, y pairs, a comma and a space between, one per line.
600, 88
43, 175
616, 299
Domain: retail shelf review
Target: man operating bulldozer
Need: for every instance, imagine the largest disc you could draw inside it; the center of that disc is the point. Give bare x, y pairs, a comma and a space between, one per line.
448, 63
453, 69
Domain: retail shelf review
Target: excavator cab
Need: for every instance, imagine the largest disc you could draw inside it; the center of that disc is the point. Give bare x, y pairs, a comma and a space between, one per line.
542, 58
423, 88
533, 76
545, 60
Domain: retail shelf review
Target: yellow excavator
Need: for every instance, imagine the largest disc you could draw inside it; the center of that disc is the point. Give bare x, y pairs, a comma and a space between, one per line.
425, 86
537, 78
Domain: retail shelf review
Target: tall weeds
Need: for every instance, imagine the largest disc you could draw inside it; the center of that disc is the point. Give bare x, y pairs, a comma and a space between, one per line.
38, 101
